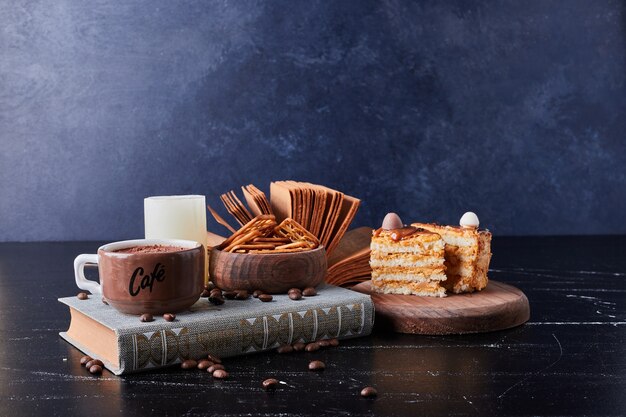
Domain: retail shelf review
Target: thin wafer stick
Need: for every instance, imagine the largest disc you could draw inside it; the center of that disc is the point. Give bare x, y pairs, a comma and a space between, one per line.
264, 221
252, 247
220, 220
240, 206
294, 245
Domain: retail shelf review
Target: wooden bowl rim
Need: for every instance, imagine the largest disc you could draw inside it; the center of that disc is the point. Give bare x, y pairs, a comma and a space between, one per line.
304, 252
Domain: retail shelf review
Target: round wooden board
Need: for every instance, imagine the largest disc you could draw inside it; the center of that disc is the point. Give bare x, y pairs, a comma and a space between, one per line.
499, 306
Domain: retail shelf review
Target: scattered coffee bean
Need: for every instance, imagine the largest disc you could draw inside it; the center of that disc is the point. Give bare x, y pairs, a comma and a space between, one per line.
85, 359
242, 295
309, 292
266, 298
295, 295
210, 286
285, 349
95, 369
220, 374
317, 366
205, 293
256, 293
189, 364
169, 317
216, 292
230, 295
214, 359
323, 343
93, 362
215, 367
104, 301
334, 342
204, 364
312, 347
369, 392
218, 301
146, 317
299, 346
270, 384
82, 296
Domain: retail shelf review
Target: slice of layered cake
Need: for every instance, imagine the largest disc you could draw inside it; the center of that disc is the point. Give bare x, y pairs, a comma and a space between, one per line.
467, 253
407, 260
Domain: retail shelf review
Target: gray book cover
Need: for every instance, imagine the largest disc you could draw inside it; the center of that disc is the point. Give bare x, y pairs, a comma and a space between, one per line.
237, 327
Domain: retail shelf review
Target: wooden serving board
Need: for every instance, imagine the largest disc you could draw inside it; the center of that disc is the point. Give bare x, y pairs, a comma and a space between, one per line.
499, 306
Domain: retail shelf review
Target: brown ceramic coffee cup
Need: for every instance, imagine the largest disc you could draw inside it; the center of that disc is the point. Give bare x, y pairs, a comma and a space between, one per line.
146, 275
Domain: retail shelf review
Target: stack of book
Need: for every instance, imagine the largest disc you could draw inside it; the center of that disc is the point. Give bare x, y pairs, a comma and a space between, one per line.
125, 344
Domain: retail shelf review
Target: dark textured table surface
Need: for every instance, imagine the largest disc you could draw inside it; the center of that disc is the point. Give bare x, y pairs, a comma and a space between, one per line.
569, 359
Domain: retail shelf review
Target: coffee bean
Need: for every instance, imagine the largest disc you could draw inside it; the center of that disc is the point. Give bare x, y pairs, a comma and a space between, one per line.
169, 317
369, 392
309, 292
294, 290
266, 298
82, 296
204, 364
214, 359
317, 366
312, 347
218, 301
189, 364
270, 384
205, 293
95, 369
146, 317
85, 359
215, 367
285, 349
216, 292
256, 293
230, 295
242, 295
299, 346
220, 374
210, 286
295, 295
104, 301
93, 362
334, 342
323, 343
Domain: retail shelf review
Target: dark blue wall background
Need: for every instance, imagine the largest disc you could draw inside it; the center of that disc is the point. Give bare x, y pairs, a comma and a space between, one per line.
516, 110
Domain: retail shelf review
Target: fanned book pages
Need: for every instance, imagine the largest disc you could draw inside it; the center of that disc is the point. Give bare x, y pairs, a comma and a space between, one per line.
125, 344
349, 263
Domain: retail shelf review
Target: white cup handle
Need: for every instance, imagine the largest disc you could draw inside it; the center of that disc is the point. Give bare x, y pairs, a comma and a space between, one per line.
79, 273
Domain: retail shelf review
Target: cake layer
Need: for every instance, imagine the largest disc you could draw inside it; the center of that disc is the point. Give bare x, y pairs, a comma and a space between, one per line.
452, 235
402, 270
412, 277
431, 289
407, 260
409, 246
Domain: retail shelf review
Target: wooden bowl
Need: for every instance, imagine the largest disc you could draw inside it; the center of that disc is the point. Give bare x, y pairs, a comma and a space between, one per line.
269, 272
